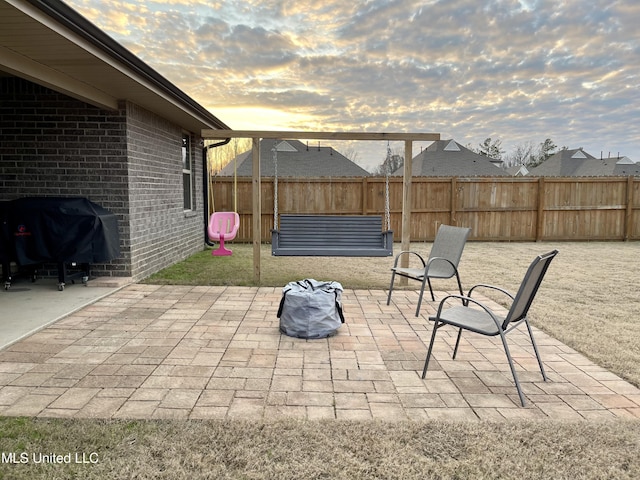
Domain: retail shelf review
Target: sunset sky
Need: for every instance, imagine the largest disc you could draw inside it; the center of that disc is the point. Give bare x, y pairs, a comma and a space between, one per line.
516, 71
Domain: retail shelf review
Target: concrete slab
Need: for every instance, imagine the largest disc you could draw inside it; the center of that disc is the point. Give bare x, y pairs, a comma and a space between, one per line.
27, 307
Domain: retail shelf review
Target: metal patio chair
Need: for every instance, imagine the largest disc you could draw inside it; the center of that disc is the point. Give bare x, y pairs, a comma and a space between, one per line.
442, 262
473, 316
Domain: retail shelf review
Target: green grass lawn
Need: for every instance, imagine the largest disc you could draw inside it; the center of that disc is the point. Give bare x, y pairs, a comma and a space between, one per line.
237, 269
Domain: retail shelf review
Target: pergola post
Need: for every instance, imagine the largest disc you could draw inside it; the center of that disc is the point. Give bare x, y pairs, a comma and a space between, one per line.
406, 206
257, 208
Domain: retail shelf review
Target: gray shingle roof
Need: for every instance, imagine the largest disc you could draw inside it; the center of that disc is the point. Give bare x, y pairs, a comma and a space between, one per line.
295, 159
564, 163
578, 163
447, 158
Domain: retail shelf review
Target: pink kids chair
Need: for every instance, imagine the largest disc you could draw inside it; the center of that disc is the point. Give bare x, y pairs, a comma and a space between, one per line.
223, 226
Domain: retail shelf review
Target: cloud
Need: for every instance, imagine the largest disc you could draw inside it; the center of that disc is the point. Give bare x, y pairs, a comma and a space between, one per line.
516, 70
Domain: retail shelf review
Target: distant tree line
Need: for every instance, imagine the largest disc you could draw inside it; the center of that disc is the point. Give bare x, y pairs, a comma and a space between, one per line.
527, 154
219, 157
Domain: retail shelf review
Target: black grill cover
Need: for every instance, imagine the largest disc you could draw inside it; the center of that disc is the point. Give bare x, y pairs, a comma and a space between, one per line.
54, 229
6, 242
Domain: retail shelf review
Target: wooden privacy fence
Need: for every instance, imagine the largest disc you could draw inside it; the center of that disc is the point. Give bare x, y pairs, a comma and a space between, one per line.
496, 209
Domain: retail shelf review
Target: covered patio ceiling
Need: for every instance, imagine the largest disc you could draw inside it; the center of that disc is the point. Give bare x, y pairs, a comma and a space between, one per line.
49, 43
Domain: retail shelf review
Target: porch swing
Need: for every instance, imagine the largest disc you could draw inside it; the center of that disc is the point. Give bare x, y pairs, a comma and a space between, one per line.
330, 235
224, 225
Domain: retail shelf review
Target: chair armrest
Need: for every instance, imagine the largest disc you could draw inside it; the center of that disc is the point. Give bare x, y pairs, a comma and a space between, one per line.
408, 252
433, 259
492, 287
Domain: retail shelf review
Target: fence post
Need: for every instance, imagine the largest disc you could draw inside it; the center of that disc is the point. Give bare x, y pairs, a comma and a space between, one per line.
365, 184
628, 220
540, 216
452, 206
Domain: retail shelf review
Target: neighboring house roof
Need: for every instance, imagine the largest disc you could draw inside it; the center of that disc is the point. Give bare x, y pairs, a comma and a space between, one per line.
447, 158
295, 159
564, 163
49, 43
607, 166
518, 171
578, 163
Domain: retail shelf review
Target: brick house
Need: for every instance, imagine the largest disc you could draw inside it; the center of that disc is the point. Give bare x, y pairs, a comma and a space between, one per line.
81, 116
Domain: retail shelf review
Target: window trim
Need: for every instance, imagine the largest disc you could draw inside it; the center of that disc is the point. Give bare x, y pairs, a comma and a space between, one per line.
188, 169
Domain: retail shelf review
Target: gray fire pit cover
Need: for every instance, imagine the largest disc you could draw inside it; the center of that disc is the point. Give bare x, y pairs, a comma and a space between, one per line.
311, 309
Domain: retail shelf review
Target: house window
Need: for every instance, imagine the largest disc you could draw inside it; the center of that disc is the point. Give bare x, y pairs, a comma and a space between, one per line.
187, 172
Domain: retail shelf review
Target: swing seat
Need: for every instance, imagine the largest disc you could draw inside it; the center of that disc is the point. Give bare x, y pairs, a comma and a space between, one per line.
223, 226
331, 236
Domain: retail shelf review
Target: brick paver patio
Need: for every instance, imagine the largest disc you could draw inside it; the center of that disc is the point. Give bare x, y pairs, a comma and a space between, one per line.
152, 351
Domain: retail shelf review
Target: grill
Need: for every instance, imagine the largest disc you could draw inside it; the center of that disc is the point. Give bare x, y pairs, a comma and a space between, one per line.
64, 231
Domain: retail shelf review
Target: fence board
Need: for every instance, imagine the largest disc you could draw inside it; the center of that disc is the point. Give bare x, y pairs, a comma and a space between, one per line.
496, 209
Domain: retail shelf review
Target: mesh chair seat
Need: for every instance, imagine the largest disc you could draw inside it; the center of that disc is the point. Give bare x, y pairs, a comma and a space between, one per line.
474, 320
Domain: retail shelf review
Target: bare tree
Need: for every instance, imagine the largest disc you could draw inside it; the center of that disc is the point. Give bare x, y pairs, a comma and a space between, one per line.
547, 148
391, 163
491, 149
522, 154
350, 152
219, 157
527, 154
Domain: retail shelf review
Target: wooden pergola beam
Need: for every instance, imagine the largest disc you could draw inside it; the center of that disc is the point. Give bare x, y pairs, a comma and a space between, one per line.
289, 135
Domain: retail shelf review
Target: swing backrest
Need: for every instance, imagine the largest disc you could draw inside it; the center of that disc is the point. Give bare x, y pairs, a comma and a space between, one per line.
223, 223
331, 236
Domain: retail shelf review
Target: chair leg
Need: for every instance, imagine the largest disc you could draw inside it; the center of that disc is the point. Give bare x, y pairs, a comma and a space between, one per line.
433, 337
459, 283
424, 280
455, 350
393, 276
433, 299
512, 367
535, 349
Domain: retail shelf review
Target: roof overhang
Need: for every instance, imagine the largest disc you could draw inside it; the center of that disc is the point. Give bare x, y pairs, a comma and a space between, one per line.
50, 44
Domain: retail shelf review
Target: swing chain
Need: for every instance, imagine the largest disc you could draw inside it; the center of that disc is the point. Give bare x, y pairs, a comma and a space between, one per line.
386, 188
275, 186
386, 205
